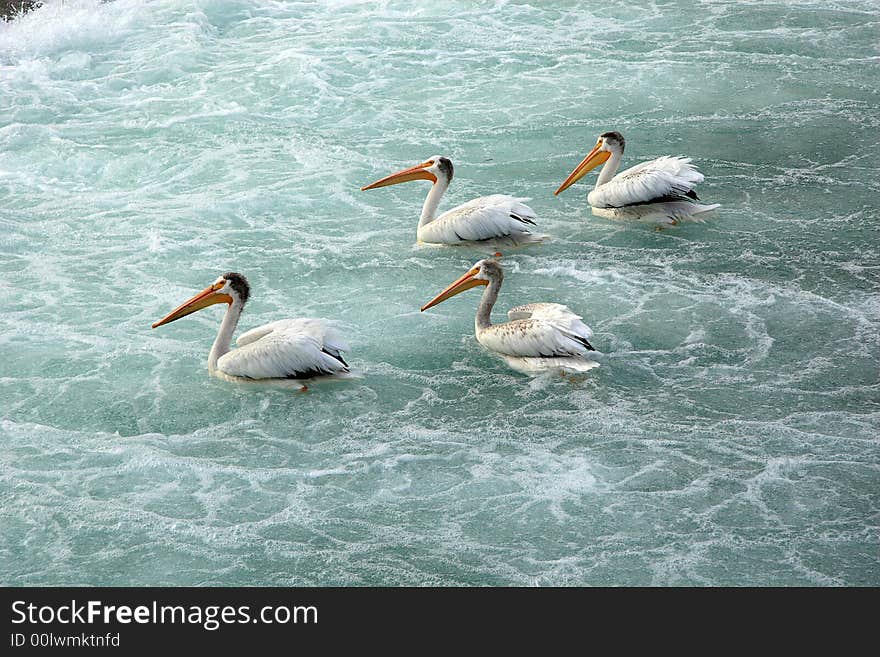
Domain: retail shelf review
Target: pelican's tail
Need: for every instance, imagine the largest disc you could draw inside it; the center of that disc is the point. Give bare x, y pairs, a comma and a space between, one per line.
672, 212
523, 239
700, 209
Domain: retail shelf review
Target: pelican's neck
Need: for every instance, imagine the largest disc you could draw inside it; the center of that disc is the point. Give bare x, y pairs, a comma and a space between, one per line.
224, 335
429, 209
609, 169
483, 319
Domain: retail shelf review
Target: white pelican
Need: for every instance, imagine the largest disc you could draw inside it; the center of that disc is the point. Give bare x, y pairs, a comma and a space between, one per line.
539, 337
497, 218
660, 190
282, 350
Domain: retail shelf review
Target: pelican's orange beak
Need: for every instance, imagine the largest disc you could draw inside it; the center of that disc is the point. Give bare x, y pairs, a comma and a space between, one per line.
418, 172
593, 159
466, 282
207, 297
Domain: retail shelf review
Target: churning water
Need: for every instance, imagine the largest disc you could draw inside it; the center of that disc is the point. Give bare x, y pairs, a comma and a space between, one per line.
730, 435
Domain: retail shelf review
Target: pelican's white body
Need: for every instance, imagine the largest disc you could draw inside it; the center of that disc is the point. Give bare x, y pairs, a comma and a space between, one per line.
633, 194
284, 349
539, 337
660, 190
498, 218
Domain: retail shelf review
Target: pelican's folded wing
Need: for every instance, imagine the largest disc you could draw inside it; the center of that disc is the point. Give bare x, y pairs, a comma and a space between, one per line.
290, 348
484, 218
320, 328
540, 330
556, 314
538, 310
665, 179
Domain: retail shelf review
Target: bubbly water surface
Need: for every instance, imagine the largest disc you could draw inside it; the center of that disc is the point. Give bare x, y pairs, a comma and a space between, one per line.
730, 435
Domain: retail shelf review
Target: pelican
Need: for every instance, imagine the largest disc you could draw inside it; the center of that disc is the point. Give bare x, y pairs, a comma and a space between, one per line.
660, 190
497, 218
282, 350
539, 337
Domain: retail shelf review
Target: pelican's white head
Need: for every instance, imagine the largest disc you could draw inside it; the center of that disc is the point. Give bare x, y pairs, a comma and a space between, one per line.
608, 144
230, 288
435, 168
235, 285
488, 270
483, 272
442, 168
613, 142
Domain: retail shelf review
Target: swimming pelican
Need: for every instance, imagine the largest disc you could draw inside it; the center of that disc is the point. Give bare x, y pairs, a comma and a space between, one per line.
660, 190
539, 337
497, 218
282, 350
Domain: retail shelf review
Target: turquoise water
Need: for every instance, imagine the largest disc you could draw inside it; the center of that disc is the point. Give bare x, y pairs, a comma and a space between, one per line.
730, 435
